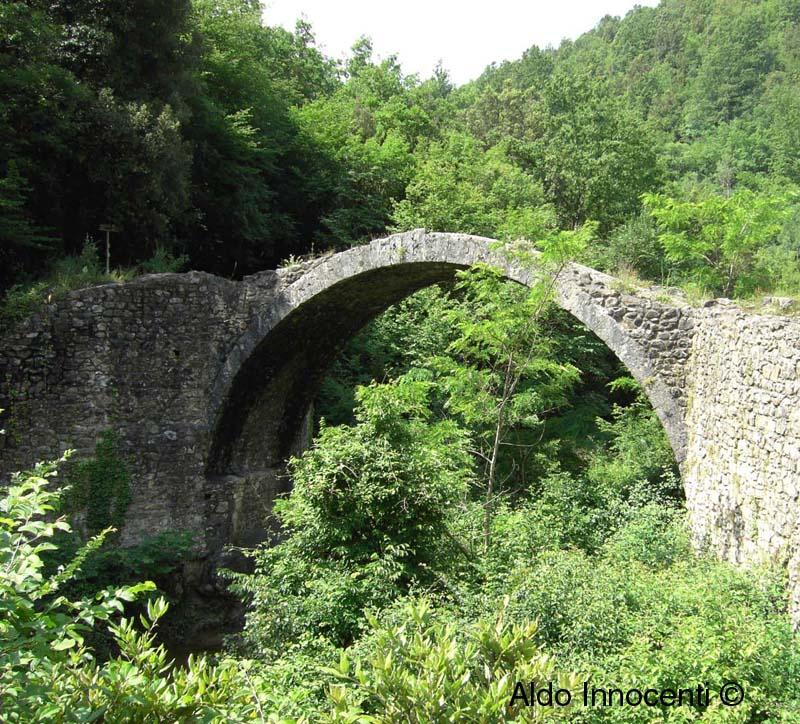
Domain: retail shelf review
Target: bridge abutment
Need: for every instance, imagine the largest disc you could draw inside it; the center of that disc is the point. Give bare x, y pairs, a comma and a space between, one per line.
742, 469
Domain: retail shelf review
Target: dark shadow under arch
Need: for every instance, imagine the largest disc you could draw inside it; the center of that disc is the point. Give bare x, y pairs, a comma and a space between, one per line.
264, 411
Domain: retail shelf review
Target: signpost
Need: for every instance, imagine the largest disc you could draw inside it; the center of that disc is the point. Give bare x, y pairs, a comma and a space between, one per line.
108, 228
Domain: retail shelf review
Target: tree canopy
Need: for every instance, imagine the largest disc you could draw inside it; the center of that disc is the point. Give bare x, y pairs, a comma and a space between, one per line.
214, 135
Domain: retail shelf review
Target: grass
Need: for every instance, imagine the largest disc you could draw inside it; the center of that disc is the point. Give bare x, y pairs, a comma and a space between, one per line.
291, 262
628, 281
782, 304
76, 272
785, 300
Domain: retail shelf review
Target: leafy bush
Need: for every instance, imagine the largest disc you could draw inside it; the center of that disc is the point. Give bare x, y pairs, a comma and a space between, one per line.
366, 521
632, 247
38, 627
719, 241
154, 559
429, 669
384, 481
48, 673
646, 611
163, 262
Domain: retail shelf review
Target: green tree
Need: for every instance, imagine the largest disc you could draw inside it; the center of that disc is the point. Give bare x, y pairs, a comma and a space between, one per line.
457, 186
137, 165
37, 130
730, 77
363, 135
593, 155
118, 46
716, 240
241, 135
367, 520
16, 227
498, 373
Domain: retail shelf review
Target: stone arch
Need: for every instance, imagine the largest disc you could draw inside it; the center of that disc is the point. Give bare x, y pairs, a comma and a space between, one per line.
195, 372
270, 376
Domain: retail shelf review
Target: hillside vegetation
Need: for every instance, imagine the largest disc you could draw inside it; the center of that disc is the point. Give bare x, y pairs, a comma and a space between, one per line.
211, 135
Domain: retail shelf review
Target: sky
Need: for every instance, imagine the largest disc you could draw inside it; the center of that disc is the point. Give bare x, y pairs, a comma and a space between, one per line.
466, 36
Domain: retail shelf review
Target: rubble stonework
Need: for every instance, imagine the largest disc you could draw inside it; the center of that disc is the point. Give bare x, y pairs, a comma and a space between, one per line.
209, 382
742, 468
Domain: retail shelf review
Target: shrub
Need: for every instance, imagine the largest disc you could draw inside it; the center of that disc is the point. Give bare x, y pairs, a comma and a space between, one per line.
366, 521
48, 673
645, 611
430, 669
163, 262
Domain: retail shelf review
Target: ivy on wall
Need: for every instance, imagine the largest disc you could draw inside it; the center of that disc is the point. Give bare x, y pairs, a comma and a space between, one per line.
100, 486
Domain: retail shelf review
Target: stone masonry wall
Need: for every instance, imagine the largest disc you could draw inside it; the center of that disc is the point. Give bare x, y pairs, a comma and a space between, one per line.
742, 469
136, 358
651, 337
207, 381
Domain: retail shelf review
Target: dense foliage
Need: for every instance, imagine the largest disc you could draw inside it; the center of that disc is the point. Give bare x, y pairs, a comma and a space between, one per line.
239, 144
48, 673
582, 541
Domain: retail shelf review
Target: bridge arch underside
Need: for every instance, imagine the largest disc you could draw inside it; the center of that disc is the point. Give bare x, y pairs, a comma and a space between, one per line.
264, 417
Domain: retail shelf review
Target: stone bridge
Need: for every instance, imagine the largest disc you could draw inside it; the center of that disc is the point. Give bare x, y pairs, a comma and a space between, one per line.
209, 382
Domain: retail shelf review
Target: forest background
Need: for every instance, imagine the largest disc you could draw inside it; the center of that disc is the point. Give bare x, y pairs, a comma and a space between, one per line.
232, 146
